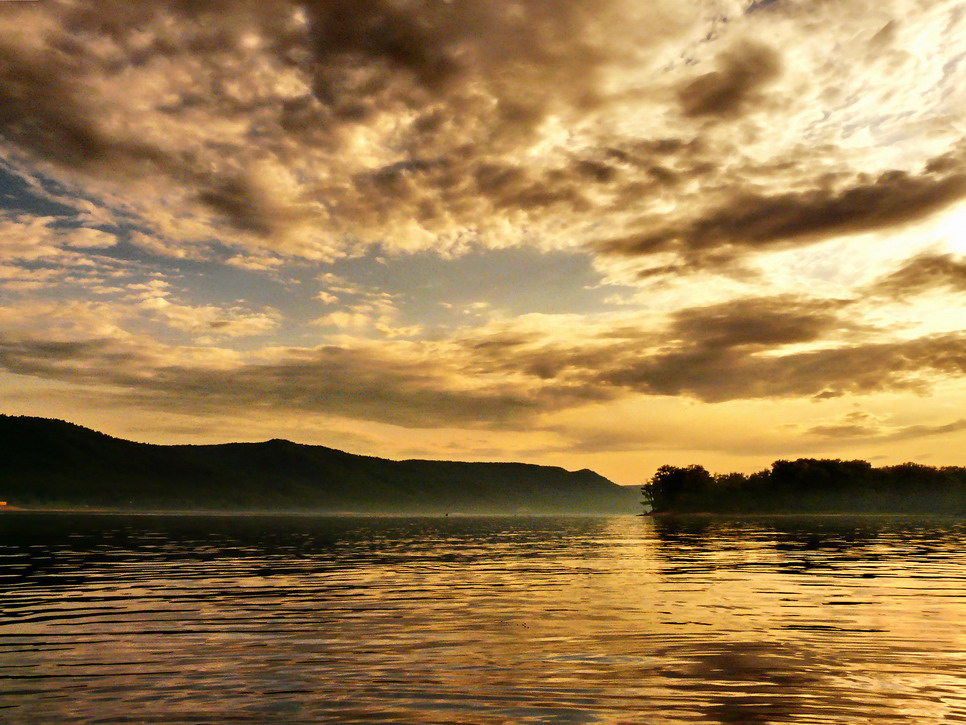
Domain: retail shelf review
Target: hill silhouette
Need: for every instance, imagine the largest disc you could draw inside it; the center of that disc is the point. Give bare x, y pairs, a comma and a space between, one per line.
52, 463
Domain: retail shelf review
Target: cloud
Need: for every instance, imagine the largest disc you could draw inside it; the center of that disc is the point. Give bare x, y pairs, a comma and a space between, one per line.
158, 246
766, 322
773, 347
720, 372
926, 272
857, 424
505, 375
862, 425
744, 71
13, 278
26, 238
210, 322
919, 431
310, 116
45, 113
361, 310
85, 238
400, 385
44, 321
716, 374
749, 221
314, 128
264, 167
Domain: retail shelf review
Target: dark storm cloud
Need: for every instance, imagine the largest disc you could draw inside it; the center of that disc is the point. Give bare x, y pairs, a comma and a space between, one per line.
700, 333
452, 117
766, 321
924, 273
465, 82
716, 374
741, 350
752, 220
49, 91
428, 191
249, 208
443, 46
733, 350
744, 71
421, 43
44, 113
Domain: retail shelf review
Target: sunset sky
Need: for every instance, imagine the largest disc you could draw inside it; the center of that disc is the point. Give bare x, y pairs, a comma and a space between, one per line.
609, 234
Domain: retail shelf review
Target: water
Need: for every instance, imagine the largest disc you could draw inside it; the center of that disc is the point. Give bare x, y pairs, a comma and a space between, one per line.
481, 620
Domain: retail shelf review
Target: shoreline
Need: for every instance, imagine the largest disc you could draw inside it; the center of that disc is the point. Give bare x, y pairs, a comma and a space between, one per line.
788, 514
13, 510
307, 514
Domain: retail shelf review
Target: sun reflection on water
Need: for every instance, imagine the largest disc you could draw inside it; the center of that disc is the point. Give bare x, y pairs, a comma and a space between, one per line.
488, 620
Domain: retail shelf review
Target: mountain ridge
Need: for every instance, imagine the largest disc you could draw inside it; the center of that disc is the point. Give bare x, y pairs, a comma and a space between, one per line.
55, 463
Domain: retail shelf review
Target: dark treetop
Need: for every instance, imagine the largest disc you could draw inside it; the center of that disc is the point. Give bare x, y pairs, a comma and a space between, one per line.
50, 463
810, 485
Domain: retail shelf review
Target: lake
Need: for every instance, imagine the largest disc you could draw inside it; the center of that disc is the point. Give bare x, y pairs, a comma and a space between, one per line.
159, 619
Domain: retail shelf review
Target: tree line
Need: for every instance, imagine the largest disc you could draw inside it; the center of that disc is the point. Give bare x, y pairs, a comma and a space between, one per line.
809, 485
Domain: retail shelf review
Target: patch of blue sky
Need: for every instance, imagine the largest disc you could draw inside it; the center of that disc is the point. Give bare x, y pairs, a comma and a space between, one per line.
437, 291
424, 289
17, 196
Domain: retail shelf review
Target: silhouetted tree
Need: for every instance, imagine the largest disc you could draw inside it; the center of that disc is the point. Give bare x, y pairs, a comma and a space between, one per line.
677, 488
810, 484
729, 491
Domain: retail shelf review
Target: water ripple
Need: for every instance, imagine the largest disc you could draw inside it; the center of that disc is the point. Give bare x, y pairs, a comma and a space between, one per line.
481, 620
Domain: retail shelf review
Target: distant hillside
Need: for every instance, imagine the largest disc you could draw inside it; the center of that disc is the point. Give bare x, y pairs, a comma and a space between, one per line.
51, 463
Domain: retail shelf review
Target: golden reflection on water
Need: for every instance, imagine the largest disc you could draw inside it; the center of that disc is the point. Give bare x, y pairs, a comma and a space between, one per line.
489, 620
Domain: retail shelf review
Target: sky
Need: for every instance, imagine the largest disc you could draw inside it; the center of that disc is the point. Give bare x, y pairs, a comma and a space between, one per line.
609, 234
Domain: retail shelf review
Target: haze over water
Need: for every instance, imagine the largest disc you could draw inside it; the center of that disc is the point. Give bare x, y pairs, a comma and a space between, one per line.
481, 620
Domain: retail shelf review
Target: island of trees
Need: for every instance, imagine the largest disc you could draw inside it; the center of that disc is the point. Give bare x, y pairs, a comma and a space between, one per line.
809, 485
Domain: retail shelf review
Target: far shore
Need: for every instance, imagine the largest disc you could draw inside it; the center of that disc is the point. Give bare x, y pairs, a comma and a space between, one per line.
291, 512
788, 514
459, 514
